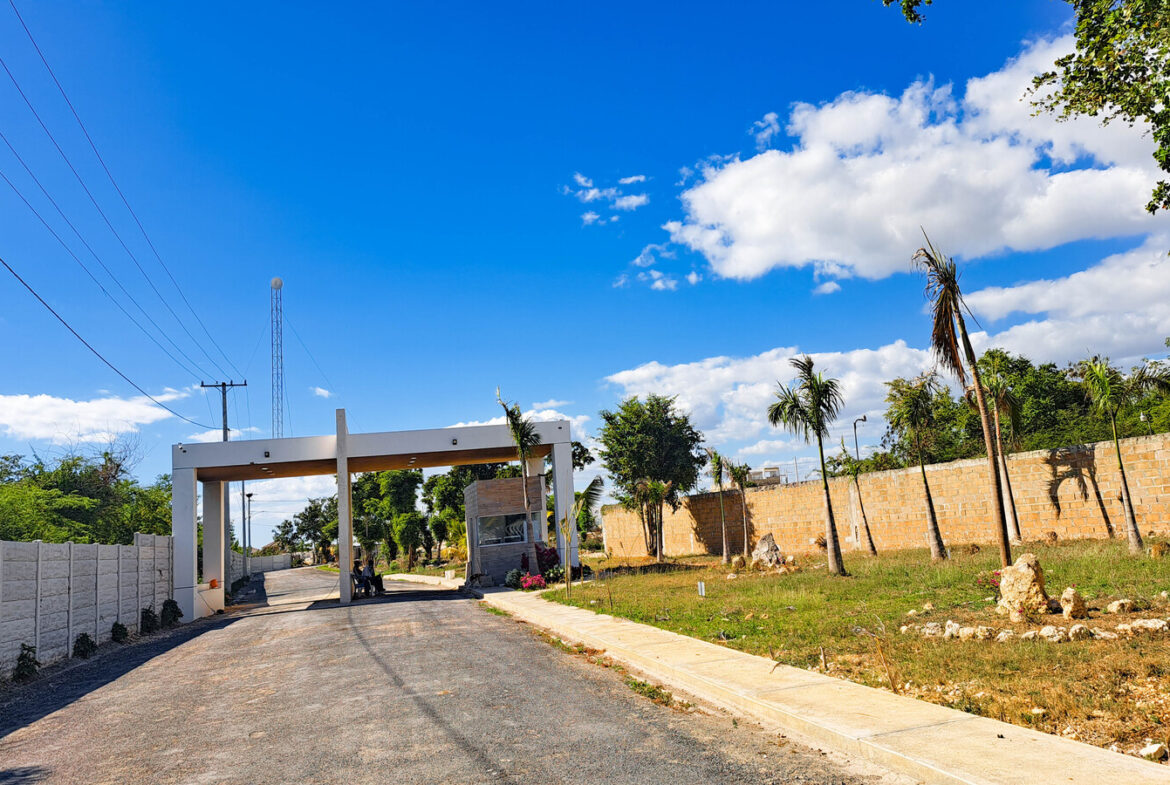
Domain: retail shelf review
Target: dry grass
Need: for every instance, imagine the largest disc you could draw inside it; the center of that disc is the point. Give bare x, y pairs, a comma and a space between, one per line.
1102, 692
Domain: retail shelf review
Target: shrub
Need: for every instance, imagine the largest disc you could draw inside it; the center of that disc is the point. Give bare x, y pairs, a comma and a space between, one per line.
119, 633
148, 622
26, 663
171, 613
512, 579
84, 646
988, 581
554, 574
546, 558
531, 582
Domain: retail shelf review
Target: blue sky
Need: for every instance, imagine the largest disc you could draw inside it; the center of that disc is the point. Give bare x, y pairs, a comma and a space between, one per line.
441, 189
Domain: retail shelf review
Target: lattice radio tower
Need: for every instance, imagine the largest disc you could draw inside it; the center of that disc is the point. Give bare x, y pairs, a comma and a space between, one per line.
277, 360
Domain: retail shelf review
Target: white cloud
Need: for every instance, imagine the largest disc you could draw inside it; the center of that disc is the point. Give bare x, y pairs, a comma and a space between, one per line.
589, 218
765, 129
867, 171
693, 277
64, 420
652, 253
631, 202
582, 180
622, 281
828, 287
552, 403
216, 434
637, 178
321, 392
576, 422
659, 281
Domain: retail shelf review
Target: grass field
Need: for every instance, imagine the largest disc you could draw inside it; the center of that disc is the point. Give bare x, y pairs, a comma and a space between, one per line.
1099, 691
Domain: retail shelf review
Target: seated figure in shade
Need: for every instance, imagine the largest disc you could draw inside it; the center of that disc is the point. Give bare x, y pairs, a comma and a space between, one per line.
361, 582
373, 578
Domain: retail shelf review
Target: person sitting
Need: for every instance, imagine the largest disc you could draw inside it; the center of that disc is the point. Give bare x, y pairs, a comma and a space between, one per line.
360, 582
373, 577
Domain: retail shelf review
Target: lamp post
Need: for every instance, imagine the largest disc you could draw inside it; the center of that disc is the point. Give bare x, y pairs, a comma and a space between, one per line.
1146, 419
856, 450
248, 535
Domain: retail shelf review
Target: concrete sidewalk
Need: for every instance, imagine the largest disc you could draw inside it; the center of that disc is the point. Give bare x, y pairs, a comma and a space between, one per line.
923, 740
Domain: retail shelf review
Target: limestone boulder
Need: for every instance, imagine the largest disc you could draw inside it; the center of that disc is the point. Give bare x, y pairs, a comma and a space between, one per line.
738, 563
1021, 588
1072, 604
966, 633
1149, 626
1154, 752
1103, 635
1119, 606
1079, 632
951, 630
932, 629
1053, 634
984, 633
766, 555
1005, 636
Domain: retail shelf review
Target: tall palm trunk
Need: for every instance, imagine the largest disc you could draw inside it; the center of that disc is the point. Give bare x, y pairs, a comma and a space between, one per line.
1131, 527
1005, 548
1014, 520
869, 546
661, 543
938, 551
743, 504
832, 544
723, 524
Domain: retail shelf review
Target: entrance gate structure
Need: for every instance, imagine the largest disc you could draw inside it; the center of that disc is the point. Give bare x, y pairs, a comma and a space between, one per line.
216, 463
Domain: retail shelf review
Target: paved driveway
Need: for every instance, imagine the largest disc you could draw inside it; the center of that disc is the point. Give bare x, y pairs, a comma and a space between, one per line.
419, 687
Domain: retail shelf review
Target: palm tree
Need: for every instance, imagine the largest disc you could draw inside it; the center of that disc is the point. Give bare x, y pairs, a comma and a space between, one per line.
952, 345
717, 468
1005, 406
739, 478
586, 500
807, 408
1109, 391
911, 413
853, 466
525, 437
651, 495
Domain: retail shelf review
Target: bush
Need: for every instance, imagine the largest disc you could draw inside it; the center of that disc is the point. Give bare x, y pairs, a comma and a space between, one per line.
84, 646
512, 579
532, 582
171, 613
546, 558
554, 574
149, 621
119, 633
26, 663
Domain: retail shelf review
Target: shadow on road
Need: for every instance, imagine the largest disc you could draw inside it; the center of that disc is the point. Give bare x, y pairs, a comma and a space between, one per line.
23, 775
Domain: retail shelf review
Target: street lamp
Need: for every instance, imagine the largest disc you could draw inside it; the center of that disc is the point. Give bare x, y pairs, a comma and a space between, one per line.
1146, 419
248, 526
856, 450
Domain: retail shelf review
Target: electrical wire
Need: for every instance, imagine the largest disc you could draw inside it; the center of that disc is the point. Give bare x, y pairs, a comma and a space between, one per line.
105, 218
98, 354
97, 258
117, 188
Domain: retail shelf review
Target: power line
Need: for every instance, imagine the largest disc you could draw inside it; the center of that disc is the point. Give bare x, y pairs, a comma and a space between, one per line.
117, 188
92, 253
105, 218
98, 354
91, 275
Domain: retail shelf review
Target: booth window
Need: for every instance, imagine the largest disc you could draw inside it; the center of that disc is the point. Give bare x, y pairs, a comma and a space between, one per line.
500, 529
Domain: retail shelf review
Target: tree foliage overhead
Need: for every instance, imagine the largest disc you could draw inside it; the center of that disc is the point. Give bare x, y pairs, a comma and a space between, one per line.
1119, 70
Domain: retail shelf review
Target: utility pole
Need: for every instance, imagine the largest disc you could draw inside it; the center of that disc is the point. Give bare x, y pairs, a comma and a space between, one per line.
248, 534
227, 504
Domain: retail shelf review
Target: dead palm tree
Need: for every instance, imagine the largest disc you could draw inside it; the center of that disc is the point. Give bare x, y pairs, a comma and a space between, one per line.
587, 500
952, 345
1005, 409
739, 478
525, 437
717, 469
853, 467
807, 408
911, 414
1109, 391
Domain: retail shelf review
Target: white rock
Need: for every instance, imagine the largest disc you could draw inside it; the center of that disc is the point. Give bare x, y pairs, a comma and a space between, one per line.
1104, 635
951, 630
1151, 626
731, 576
984, 633
905, 628
1053, 634
1124, 629
1005, 636
1079, 632
1030, 635
1154, 752
1119, 606
1165, 595
912, 612
932, 629
966, 633
928, 606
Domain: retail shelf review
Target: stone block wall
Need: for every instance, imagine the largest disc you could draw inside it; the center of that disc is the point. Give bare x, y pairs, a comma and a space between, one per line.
1073, 491
51, 593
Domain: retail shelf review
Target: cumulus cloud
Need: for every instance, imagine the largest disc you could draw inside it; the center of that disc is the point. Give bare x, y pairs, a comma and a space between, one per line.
582, 180
693, 277
216, 434
637, 178
589, 217
658, 280
828, 287
868, 170
652, 253
765, 129
552, 403
64, 420
631, 202
576, 422
321, 392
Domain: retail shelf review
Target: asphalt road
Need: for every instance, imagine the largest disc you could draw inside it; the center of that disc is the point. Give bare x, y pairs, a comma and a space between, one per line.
420, 686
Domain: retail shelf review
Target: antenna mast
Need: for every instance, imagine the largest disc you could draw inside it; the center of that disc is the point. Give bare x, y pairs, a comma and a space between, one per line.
277, 360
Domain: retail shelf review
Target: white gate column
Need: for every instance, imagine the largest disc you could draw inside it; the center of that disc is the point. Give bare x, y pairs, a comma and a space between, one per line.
344, 511
214, 533
562, 459
184, 529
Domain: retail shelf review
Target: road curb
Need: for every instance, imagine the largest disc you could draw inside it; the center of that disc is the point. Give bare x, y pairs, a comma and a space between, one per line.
932, 743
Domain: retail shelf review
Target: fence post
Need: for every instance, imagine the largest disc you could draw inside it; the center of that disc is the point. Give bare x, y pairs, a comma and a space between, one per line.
97, 607
69, 611
37, 612
118, 611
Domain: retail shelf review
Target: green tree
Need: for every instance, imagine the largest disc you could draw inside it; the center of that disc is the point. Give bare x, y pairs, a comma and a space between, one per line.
285, 536
1110, 391
738, 472
439, 529
408, 528
650, 441
807, 408
1118, 70
1005, 409
910, 415
316, 524
851, 466
586, 499
717, 472
951, 345
525, 437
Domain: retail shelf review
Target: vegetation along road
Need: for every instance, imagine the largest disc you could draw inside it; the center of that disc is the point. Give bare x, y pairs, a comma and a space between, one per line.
419, 686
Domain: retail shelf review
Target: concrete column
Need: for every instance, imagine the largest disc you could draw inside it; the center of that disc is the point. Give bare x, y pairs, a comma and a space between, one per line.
184, 530
562, 455
214, 532
344, 510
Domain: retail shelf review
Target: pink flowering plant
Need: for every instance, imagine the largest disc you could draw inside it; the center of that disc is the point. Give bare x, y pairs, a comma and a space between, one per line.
988, 580
531, 582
